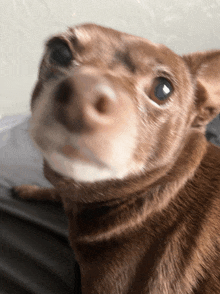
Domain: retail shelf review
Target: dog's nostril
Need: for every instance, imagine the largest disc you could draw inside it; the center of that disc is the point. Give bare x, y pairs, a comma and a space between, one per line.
105, 98
101, 105
63, 92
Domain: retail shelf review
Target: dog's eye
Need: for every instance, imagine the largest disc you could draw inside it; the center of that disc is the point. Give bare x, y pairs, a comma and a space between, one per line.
161, 90
60, 53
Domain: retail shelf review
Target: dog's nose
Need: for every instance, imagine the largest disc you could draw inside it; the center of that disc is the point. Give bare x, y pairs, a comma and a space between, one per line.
86, 100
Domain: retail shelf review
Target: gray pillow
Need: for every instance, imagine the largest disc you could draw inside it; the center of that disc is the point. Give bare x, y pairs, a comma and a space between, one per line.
20, 162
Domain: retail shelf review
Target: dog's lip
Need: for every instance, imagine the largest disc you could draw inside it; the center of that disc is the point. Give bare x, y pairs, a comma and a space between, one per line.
82, 153
71, 152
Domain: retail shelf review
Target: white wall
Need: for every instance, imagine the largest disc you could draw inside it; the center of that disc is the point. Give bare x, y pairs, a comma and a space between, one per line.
183, 25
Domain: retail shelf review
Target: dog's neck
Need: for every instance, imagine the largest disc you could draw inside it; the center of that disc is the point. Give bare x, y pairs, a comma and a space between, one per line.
107, 209
98, 227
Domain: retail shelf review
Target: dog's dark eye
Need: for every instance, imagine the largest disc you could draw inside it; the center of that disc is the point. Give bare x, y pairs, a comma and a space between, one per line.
161, 90
60, 53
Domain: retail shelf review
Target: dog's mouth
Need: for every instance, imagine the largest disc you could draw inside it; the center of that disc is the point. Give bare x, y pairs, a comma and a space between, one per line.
61, 143
83, 154
80, 164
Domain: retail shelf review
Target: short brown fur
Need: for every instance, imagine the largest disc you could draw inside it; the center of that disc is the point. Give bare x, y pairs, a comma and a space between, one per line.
157, 229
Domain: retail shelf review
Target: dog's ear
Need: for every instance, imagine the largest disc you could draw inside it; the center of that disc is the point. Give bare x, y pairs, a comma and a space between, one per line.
205, 69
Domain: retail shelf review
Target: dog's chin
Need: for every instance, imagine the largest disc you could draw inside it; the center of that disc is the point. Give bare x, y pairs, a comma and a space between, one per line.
81, 170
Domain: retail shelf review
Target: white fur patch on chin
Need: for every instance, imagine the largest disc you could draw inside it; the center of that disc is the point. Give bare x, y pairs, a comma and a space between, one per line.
79, 170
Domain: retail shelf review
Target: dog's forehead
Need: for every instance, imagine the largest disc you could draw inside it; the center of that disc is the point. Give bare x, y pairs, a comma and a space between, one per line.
141, 51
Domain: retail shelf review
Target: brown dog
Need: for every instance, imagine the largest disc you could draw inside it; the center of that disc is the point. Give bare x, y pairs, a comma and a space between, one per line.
121, 123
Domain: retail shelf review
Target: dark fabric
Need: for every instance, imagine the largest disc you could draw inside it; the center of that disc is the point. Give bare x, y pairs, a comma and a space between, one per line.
213, 131
35, 256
